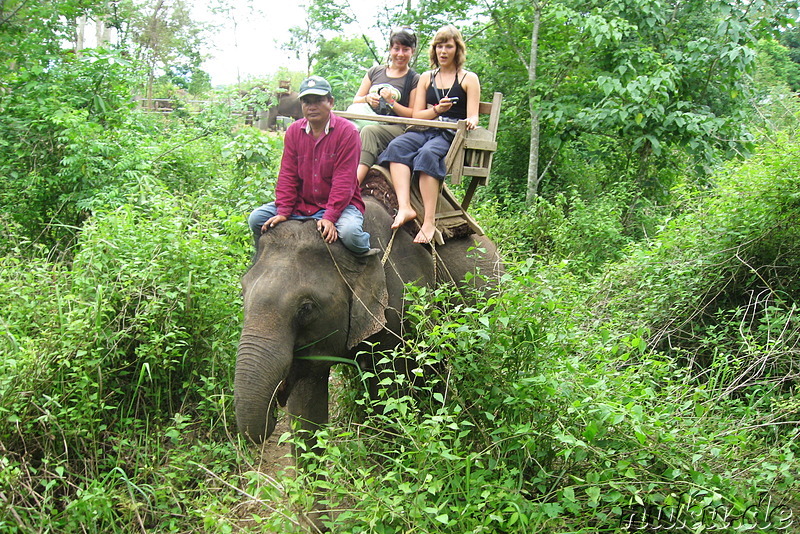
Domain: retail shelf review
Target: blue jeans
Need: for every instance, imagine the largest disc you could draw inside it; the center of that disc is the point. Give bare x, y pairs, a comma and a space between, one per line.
350, 225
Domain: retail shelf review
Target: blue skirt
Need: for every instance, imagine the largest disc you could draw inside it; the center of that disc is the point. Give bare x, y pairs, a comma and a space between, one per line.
420, 151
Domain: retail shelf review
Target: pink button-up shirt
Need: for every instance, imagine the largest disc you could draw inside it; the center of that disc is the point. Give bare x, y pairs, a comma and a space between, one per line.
319, 173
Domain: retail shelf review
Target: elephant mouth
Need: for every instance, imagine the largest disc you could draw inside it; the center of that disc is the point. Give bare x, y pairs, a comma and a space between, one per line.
281, 395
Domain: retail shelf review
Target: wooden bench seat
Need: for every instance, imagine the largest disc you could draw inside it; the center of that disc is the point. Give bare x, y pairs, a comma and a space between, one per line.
470, 156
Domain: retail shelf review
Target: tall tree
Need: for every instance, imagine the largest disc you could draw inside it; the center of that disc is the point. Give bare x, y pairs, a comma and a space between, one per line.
343, 63
165, 35
530, 64
322, 18
648, 73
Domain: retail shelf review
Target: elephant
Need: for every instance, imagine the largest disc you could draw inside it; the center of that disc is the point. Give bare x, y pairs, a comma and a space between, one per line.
304, 298
288, 106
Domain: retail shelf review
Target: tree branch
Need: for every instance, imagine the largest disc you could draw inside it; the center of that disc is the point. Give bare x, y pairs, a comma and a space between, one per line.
512, 43
14, 12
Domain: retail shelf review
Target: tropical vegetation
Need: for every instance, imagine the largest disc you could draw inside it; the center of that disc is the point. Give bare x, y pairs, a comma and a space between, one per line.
636, 368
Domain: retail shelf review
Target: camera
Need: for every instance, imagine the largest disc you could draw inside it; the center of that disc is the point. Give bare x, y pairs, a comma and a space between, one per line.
383, 107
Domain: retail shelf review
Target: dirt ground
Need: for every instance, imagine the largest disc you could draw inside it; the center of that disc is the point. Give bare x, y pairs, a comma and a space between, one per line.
275, 464
276, 457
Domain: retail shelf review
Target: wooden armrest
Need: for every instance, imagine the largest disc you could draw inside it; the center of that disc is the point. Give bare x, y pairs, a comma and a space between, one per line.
391, 119
455, 146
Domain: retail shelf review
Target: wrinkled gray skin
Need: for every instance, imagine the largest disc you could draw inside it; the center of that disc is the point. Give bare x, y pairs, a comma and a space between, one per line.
288, 106
298, 303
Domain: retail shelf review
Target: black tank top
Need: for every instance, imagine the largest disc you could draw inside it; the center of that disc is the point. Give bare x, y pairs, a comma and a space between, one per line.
435, 94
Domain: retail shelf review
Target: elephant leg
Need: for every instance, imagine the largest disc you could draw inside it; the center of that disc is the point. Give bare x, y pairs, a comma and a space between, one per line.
308, 406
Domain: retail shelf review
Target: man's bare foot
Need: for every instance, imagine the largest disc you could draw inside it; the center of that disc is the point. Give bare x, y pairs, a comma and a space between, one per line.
425, 234
403, 216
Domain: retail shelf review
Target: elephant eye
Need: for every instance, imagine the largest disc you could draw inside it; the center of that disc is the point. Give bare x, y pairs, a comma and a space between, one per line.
305, 311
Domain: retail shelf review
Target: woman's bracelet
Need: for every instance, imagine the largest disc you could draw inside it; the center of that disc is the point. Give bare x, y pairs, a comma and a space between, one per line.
435, 110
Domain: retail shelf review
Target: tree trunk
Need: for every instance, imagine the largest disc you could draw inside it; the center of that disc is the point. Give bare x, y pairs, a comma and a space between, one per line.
80, 34
103, 33
533, 159
152, 45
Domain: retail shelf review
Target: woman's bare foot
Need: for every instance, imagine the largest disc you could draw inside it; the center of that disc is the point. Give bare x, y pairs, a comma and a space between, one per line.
425, 234
403, 216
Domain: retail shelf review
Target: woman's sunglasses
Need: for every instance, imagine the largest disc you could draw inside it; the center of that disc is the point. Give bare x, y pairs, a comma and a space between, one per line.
409, 31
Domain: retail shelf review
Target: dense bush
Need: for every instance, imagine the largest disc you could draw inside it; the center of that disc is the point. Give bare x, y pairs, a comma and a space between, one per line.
133, 345
584, 233
567, 401
735, 252
542, 424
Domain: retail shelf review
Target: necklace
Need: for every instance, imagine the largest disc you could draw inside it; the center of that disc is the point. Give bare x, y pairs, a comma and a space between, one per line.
437, 91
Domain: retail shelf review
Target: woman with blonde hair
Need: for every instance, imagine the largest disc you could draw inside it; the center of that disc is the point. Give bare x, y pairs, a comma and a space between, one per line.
447, 92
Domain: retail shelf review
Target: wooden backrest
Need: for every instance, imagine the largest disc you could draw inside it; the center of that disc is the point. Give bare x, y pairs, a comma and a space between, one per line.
493, 110
471, 151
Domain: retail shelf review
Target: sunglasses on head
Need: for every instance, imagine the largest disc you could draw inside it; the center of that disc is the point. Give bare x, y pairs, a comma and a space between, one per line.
409, 31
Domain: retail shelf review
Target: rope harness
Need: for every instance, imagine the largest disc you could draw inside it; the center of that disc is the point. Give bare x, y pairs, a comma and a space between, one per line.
433, 254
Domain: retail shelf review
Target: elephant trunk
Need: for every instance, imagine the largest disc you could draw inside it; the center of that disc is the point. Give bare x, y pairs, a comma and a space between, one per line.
261, 366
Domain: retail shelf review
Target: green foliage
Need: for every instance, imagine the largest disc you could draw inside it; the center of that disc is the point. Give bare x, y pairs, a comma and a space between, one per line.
583, 233
630, 371
534, 418
166, 37
592, 232
646, 78
776, 67
71, 144
130, 357
60, 140
33, 34
777, 107
790, 39
343, 62
748, 216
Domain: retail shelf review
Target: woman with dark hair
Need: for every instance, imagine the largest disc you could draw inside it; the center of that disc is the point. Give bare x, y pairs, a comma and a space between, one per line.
448, 92
388, 90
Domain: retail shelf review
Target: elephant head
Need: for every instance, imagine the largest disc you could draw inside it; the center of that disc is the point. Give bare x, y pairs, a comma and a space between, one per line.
288, 105
302, 298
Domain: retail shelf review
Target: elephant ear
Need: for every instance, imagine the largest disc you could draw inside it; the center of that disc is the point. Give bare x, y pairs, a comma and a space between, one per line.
369, 300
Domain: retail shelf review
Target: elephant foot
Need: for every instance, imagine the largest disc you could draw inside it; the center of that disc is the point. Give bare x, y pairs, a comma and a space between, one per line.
403, 216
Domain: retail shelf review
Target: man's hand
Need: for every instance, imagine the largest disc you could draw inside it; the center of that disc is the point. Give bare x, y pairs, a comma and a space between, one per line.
271, 222
328, 230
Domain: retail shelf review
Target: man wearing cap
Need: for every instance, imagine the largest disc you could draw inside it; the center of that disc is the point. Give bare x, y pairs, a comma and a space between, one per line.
317, 179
